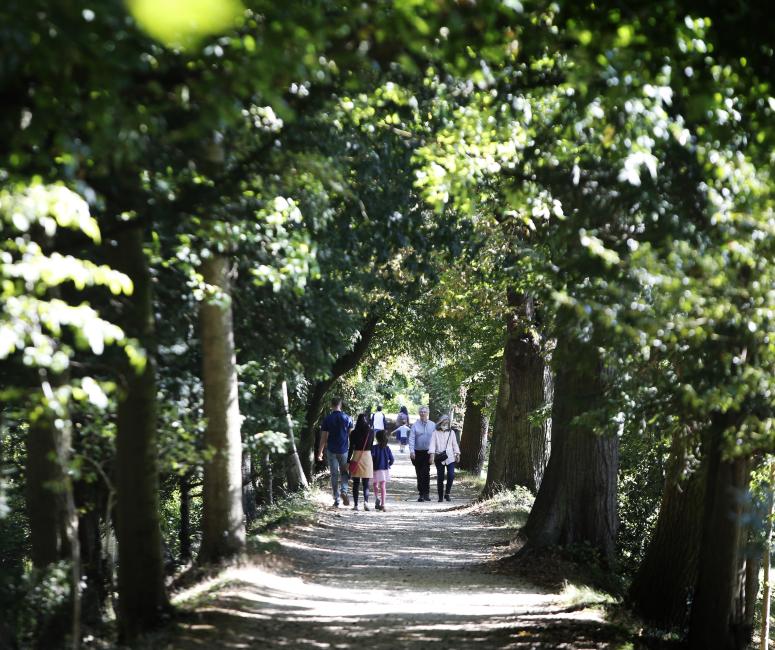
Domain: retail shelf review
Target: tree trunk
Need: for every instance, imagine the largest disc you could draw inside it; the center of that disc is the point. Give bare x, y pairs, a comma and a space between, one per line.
293, 470
662, 587
473, 442
520, 446
764, 630
53, 523
184, 535
576, 503
91, 501
223, 522
716, 621
248, 493
316, 396
142, 596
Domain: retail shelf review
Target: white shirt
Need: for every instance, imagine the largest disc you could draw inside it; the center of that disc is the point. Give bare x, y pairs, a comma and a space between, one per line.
444, 441
378, 421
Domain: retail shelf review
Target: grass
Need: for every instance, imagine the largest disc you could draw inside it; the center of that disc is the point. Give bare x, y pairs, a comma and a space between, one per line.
583, 596
297, 508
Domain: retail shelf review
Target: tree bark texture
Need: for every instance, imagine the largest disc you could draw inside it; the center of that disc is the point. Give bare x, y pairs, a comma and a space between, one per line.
520, 447
293, 470
576, 503
223, 522
53, 524
473, 442
142, 595
716, 620
318, 391
662, 587
184, 534
248, 492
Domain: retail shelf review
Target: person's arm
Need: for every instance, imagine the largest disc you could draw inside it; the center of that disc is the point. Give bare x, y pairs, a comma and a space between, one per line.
455, 447
391, 460
323, 441
411, 442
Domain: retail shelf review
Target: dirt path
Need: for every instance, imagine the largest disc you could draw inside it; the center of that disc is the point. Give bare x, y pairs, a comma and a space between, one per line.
417, 576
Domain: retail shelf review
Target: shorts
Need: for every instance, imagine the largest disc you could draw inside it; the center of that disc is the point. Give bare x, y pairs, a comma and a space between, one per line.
381, 475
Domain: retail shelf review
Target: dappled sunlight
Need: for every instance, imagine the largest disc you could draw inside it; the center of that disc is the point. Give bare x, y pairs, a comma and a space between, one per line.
417, 575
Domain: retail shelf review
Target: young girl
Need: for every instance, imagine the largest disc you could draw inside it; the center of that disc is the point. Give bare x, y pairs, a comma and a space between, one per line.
402, 432
382, 459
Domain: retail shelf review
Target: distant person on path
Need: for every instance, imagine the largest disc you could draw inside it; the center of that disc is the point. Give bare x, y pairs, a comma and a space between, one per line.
378, 419
419, 439
361, 442
334, 438
444, 452
402, 432
404, 411
383, 460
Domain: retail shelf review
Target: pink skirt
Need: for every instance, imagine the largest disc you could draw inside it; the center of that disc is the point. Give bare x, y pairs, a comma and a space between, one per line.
381, 475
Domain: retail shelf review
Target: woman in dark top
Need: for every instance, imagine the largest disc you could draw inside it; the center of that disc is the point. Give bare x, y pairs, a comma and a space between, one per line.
361, 468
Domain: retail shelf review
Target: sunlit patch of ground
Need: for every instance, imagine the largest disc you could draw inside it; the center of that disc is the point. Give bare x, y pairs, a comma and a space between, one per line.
420, 575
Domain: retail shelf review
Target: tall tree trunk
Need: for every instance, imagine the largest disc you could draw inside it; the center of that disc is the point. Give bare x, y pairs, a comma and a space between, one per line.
715, 619
53, 523
576, 503
764, 630
184, 534
293, 470
520, 446
143, 599
317, 394
661, 589
223, 522
473, 442
91, 501
248, 493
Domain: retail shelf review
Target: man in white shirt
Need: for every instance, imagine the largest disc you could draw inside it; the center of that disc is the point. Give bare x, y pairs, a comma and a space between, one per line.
419, 439
378, 420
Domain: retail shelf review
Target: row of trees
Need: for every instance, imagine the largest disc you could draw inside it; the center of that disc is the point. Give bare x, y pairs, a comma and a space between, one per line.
566, 210
620, 176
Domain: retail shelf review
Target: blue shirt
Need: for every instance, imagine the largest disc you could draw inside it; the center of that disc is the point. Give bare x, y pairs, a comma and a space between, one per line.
420, 435
382, 457
338, 425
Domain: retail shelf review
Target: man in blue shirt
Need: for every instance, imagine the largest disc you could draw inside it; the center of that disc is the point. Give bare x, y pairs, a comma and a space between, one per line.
419, 441
335, 439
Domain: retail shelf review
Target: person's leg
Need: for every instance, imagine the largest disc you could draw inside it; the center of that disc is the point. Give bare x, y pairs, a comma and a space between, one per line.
344, 477
333, 466
418, 471
356, 482
440, 480
365, 490
383, 492
424, 473
450, 477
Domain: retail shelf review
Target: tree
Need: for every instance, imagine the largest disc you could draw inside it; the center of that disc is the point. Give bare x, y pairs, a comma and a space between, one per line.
223, 525
521, 443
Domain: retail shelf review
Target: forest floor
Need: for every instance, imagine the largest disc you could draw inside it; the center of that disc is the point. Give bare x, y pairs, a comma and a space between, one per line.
420, 575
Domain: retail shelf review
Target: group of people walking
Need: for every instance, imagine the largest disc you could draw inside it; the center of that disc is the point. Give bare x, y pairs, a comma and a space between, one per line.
360, 452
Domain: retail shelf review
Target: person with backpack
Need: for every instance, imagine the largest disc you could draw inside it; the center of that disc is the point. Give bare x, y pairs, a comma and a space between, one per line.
335, 439
444, 452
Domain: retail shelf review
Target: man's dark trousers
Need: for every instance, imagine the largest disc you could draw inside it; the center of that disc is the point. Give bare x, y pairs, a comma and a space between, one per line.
423, 470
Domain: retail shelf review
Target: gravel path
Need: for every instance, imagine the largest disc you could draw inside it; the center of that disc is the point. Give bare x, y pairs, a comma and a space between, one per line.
417, 576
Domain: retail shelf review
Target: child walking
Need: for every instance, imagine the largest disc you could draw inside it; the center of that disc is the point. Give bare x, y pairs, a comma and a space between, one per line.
382, 459
402, 432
